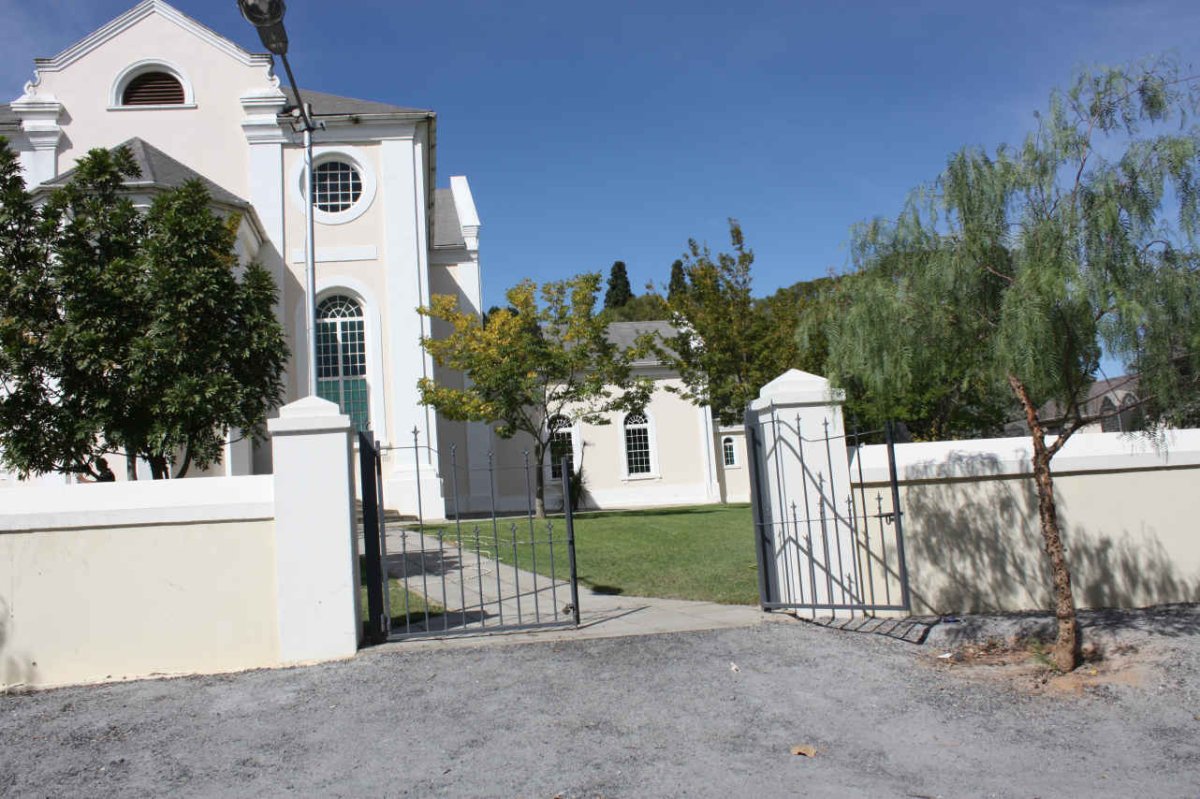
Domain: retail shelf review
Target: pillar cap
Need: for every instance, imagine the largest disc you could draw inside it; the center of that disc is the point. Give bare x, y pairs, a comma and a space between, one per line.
795, 387
308, 415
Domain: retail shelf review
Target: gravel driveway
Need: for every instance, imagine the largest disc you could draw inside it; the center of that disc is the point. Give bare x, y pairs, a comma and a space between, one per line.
662, 715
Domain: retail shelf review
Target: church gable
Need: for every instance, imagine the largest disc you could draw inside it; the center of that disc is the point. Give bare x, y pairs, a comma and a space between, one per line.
156, 74
127, 29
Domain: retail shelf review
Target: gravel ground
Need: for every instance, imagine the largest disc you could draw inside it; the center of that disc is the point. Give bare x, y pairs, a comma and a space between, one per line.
659, 715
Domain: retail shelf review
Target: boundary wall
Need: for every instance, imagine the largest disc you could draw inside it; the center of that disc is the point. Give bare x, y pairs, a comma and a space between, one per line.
132, 579
1128, 508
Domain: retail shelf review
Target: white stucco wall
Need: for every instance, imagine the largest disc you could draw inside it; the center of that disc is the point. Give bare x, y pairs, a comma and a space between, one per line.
82, 605
121, 580
115, 580
681, 454
1127, 509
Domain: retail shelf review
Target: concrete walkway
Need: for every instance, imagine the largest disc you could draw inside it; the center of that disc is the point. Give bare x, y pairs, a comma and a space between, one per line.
481, 595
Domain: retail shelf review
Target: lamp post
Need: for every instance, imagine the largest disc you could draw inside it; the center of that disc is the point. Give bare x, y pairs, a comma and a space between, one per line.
267, 17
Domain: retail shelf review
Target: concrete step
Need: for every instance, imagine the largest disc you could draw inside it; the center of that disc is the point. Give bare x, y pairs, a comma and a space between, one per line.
390, 516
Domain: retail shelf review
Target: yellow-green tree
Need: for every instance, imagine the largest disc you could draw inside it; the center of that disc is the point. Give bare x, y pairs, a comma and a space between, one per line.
544, 356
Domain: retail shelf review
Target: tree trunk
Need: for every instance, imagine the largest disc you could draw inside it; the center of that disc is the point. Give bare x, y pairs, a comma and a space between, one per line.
131, 466
539, 485
159, 469
1066, 644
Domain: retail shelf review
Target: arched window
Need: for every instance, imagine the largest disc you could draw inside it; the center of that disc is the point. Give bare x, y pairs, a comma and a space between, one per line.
562, 445
1110, 422
342, 357
1131, 413
637, 445
728, 451
153, 88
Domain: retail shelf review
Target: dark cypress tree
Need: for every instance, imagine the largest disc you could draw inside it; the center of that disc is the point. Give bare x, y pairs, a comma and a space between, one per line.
619, 291
678, 285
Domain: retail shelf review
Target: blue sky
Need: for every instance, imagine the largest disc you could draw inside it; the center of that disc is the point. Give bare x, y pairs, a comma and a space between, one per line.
619, 130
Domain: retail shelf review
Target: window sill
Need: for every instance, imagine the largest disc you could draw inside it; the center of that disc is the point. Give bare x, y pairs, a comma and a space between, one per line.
168, 107
632, 477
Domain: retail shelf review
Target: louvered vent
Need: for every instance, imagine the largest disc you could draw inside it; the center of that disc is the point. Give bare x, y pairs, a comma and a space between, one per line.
153, 88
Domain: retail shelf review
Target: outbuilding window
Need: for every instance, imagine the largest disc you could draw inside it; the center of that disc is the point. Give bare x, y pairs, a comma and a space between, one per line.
562, 445
637, 445
728, 451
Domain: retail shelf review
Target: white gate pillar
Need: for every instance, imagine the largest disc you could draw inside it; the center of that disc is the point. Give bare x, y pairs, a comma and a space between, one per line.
802, 493
316, 550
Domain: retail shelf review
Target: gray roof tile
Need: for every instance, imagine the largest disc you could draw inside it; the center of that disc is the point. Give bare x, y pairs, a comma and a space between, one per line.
335, 105
624, 334
161, 171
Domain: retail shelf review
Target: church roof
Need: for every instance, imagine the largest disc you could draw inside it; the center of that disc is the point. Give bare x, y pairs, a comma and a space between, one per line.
447, 229
624, 335
160, 171
8, 120
333, 105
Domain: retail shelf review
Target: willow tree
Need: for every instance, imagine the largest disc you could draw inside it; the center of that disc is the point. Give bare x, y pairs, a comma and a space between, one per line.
545, 356
1033, 261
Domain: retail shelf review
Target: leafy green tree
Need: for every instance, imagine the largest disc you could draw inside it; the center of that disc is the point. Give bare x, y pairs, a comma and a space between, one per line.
640, 308
726, 347
126, 333
68, 314
1021, 267
546, 355
212, 354
785, 309
619, 291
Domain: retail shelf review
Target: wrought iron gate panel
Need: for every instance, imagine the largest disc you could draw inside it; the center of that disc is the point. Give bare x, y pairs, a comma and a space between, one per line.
842, 552
473, 573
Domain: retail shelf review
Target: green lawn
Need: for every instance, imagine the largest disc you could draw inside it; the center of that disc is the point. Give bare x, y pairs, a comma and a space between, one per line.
416, 603
701, 553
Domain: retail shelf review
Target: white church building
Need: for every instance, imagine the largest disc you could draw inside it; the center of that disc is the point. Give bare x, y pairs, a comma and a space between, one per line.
190, 103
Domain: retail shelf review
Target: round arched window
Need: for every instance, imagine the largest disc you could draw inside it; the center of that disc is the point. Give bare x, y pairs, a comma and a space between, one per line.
342, 357
562, 445
637, 444
337, 186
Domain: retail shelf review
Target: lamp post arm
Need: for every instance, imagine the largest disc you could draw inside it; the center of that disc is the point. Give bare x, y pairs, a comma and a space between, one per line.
305, 115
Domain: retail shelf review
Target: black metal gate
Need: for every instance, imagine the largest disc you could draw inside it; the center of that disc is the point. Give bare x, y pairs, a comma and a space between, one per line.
825, 542
378, 622
489, 573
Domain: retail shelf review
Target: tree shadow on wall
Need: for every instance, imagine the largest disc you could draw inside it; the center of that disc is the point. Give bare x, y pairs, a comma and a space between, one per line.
16, 672
976, 547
